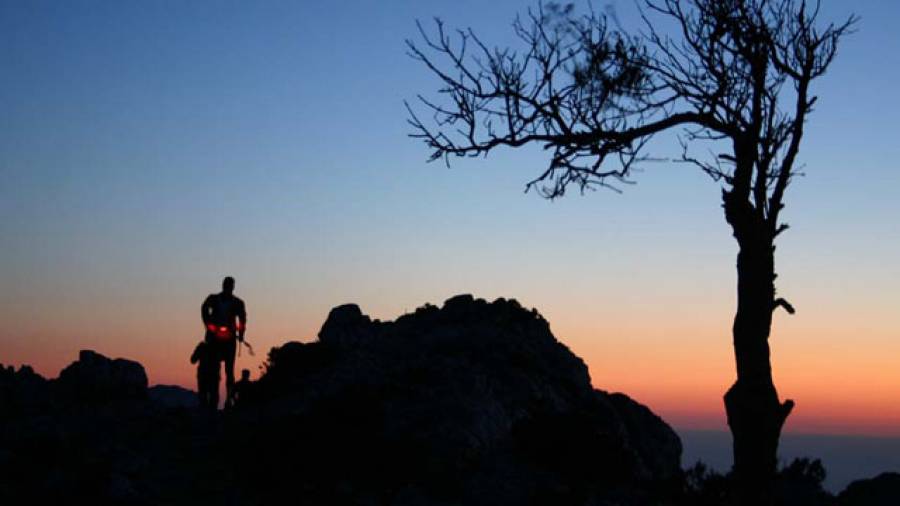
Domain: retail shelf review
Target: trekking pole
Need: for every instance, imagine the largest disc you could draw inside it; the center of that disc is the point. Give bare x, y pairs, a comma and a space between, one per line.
249, 349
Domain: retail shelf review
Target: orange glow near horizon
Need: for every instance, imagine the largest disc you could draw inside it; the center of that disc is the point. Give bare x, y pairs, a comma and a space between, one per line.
679, 367
148, 151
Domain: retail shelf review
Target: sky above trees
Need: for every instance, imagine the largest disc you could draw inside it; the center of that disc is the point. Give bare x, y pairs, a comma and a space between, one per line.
147, 150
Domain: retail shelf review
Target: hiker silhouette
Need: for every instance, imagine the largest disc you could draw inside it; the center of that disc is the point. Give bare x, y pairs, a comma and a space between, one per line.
207, 375
240, 388
225, 319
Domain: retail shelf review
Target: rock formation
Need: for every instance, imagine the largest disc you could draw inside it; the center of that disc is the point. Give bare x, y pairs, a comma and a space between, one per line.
97, 378
472, 403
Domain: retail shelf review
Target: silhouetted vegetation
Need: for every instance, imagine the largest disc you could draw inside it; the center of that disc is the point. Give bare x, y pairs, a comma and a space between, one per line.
799, 483
733, 75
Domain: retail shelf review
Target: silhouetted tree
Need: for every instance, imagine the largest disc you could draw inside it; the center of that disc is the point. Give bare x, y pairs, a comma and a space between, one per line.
736, 74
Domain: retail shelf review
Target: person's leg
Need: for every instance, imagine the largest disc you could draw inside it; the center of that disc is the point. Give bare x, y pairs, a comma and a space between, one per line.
230, 351
206, 386
213, 387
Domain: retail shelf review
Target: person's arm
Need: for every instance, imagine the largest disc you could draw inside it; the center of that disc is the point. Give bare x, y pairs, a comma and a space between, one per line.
242, 320
205, 311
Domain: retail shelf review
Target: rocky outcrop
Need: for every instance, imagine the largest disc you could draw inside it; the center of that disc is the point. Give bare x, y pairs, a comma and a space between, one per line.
97, 378
471, 403
23, 392
654, 443
476, 402
89, 436
346, 326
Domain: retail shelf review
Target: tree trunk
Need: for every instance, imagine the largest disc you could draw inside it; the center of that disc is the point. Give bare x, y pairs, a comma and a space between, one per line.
755, 415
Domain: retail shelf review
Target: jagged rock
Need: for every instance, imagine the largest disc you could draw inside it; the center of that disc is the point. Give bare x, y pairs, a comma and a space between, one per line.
22, 392
656, 445
882, 490
345, 326
86, 437
97, 378
471, 403
475, 402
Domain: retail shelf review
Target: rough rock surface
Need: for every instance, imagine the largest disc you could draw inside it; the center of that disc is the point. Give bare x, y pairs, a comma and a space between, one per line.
95, 377
22, 393
90, 436
473, 403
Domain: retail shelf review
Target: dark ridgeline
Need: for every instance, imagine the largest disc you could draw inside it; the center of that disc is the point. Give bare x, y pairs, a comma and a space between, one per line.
734, 75
473, 403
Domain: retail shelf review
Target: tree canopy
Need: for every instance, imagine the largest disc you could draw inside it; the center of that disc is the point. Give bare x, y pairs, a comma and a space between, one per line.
593, 94
733, 76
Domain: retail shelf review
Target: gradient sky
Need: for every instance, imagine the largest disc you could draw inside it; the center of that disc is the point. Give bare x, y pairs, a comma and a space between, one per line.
149, 148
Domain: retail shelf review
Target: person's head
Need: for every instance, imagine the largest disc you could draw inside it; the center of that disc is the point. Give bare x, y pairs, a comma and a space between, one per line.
245, 374
228, 285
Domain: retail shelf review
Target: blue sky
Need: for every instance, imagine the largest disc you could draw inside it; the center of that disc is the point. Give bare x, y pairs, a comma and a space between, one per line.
149, 148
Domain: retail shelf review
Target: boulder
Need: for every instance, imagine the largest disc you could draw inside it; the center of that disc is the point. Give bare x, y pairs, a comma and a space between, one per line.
346, 326
95, 377
23, 392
